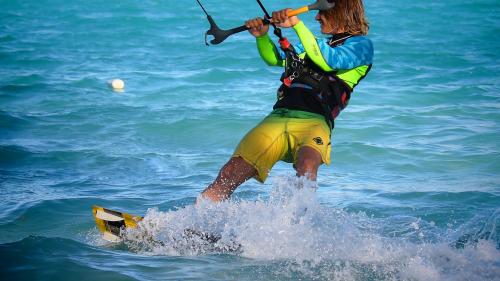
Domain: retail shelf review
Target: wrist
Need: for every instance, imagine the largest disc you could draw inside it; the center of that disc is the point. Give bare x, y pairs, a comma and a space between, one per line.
262, 36
298, 25
293, 23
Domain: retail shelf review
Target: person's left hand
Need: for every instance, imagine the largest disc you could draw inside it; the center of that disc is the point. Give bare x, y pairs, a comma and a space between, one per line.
281, 19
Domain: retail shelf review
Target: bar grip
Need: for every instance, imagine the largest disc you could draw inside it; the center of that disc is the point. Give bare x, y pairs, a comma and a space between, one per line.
298, 11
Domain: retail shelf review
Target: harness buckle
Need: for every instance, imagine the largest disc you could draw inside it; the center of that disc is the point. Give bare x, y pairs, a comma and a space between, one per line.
287, 81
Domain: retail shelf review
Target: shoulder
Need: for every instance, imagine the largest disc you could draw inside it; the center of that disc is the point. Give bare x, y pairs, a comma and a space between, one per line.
359, 39
361, 44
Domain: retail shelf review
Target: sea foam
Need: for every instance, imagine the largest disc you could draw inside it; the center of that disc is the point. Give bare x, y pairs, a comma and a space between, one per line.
293, 231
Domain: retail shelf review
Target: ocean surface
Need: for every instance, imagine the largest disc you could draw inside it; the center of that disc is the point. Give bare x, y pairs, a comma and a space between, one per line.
413, 192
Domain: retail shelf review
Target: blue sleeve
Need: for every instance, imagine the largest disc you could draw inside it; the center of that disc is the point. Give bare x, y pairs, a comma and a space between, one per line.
355, 51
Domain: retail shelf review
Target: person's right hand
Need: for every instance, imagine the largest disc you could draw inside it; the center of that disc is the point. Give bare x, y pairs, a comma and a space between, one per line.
256, 27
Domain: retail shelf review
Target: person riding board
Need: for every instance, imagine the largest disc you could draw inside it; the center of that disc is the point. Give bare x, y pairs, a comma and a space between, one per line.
320, 75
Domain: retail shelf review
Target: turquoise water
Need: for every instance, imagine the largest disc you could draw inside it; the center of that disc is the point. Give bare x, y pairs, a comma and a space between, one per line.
413, 192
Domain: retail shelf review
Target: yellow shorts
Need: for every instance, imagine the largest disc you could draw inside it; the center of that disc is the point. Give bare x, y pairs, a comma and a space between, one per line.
279, 137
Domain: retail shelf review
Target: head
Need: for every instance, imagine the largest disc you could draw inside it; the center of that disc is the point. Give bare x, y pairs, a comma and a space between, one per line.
347, 16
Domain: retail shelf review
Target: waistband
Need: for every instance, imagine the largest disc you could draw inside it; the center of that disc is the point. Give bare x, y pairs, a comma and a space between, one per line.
290, 113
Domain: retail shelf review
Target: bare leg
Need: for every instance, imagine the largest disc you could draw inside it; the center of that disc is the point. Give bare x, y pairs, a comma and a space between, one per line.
235, 172
308, 162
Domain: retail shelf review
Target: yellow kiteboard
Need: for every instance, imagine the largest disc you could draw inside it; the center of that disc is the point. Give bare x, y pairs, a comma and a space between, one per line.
110, 223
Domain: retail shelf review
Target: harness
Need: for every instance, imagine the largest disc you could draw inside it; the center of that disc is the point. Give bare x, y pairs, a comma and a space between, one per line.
328, 89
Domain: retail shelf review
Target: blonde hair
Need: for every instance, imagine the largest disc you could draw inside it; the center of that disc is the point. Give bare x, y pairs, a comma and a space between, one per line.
348, 16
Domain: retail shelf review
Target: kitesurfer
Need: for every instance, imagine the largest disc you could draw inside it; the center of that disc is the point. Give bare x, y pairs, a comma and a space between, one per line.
319, 78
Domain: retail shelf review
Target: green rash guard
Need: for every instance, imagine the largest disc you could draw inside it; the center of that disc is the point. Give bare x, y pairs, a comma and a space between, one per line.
350, 61
342, 60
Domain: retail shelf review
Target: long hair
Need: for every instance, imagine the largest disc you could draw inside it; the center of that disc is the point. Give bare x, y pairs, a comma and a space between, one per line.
349, 16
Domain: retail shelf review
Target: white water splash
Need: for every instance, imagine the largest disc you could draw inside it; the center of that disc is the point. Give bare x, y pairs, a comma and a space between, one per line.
293, 229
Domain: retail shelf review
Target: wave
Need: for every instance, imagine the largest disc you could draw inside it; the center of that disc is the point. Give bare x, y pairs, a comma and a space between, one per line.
43, 258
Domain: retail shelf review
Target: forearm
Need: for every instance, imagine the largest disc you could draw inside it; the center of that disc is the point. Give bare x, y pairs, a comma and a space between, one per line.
311, 46
268, 51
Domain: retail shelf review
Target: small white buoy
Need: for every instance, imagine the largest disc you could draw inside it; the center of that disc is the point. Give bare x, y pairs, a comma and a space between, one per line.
117, 84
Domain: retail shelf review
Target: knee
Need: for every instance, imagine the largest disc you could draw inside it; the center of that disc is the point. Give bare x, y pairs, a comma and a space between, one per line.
307, 167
